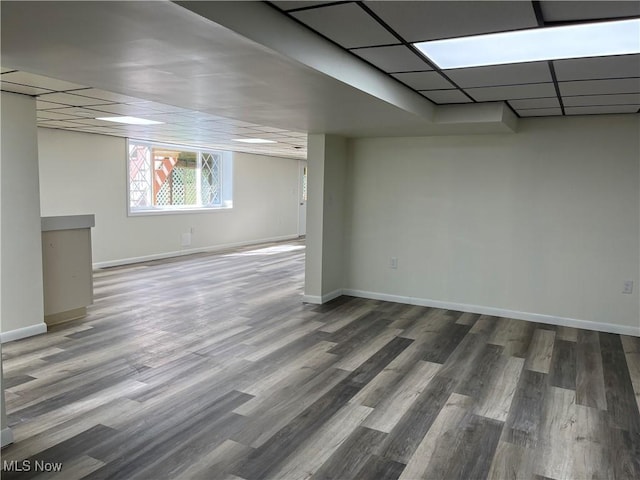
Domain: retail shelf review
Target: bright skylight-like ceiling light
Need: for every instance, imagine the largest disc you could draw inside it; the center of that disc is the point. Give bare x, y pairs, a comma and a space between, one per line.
552, 43
253, 140
130, 120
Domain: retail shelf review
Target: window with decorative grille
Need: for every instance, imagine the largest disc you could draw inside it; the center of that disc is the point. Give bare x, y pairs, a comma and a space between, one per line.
172, 178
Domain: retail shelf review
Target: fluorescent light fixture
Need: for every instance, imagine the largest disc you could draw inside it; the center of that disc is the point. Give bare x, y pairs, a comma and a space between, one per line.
253, 140
620, 37
130, 120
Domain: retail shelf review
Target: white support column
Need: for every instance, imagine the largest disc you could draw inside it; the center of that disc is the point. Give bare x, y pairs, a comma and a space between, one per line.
327, 158
22, 311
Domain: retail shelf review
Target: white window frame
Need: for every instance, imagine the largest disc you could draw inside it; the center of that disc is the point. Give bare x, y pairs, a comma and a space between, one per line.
226, 181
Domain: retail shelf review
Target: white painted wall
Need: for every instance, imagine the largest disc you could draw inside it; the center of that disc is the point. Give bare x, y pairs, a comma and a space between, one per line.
86, 173
544, 221
22, 310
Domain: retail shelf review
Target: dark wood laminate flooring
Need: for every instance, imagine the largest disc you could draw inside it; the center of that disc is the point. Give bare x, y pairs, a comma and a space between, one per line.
211, 367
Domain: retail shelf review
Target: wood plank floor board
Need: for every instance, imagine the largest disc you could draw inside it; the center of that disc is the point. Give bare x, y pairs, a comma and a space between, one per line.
621, 401
231, 376
350, 458
391, 409
267, 458
562, 372
540, 351
475, 447
479, 375
513, 335
444, 343
433, 453
589, 376
406, 436
378, 468
524, 420
64, 451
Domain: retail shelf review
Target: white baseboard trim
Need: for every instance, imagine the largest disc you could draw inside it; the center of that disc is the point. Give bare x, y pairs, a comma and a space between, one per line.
314, 299
190, 251
500, 312
23, 332
327, 297
319, 300
6, 437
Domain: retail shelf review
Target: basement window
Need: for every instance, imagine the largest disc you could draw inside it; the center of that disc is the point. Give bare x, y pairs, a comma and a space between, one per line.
165, 178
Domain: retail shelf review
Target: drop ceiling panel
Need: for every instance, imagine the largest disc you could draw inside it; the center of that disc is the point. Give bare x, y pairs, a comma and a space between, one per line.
598, 68
71, 99
82, 112
293, 4
424, 80
602, 109
616, 99
346, 24
396, 58
19, 88
537, 72
108, 96
39, 81
419, 21
42, 105
535, 103
446, 96
540, 112
596, 87
134, 110
60, 124
54, 115
491, 94
5, 70
562, 11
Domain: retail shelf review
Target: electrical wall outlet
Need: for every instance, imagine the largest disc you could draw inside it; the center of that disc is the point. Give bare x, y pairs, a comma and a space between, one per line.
628, 286
393, 263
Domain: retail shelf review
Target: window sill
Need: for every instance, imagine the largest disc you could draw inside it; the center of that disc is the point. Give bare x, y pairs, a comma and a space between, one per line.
174, 211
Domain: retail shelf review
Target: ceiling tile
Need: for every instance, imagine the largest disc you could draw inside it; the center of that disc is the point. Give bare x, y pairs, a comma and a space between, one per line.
396, 58
424, 80
71, 99
561, 11
292, 4
418, 21
347, 25
39, 81
537, 72
24, 89
42, 105
125, 109
5, 70
446, 96
535, 103
509, 92
597, 68
595, 87
620, 99
168, 118
60, 124
602, 109
109, 96
80, 112
54, 115
540, 112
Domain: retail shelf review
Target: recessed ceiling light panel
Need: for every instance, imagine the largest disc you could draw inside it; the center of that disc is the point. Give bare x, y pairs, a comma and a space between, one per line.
552, 43
253, 140
130, 120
